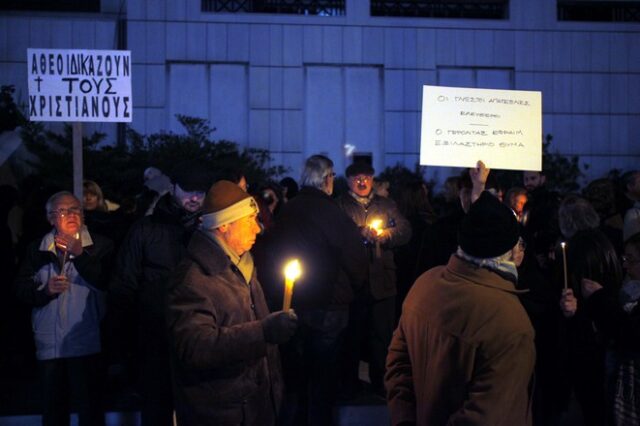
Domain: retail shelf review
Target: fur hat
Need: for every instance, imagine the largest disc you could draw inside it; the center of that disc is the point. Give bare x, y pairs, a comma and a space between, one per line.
490, 229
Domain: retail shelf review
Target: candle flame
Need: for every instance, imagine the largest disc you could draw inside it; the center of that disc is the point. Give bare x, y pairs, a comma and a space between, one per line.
376, 225
292, 270
563, 244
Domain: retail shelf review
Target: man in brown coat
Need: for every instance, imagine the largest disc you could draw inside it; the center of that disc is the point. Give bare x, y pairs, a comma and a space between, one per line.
225, 359
463, 352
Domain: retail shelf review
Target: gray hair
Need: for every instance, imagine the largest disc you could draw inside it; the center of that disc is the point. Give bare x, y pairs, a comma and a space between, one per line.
576, 214
54, 199
316, 169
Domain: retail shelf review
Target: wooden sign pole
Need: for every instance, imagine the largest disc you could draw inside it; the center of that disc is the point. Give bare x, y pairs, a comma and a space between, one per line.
77, 160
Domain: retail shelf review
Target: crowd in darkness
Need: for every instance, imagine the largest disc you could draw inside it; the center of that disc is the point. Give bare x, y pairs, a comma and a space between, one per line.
97, 289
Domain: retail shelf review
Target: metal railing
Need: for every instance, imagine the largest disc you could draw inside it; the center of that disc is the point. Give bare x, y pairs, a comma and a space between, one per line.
467, 9
292, 7
599, 11
52, 6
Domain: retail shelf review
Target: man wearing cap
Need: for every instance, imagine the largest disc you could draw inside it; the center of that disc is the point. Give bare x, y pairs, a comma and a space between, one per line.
372, 314
223, 339
463, 352
152, 249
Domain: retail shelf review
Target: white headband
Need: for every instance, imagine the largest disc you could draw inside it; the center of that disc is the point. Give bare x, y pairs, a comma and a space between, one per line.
242, 208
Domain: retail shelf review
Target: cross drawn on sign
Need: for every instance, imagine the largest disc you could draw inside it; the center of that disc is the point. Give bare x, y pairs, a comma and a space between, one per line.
75, 85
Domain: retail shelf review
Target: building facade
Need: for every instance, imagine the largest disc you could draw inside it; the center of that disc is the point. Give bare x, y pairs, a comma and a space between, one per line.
304, 79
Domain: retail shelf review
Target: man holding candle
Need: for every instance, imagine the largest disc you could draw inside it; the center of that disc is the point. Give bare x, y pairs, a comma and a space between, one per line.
463, 352
63, 277
372, 314
223, 339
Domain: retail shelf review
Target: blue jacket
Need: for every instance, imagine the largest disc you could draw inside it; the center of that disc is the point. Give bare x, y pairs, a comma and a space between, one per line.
68, 324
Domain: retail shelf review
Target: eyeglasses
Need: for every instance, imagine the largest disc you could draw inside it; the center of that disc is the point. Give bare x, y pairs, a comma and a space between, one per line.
629, 260
62, 212
363, 179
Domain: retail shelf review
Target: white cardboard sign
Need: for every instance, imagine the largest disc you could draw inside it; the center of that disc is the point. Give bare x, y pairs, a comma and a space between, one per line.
460, 126
79, 85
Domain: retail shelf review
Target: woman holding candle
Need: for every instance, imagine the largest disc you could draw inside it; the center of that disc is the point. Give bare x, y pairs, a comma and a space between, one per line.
588, 304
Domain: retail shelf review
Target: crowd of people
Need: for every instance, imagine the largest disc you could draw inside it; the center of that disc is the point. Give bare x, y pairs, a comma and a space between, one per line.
478, 306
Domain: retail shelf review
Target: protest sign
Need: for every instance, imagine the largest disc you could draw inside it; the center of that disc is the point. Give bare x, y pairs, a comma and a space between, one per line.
79, 85
460, 126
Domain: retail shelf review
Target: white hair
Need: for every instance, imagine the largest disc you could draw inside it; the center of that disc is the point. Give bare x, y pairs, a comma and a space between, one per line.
316, 169
53, 200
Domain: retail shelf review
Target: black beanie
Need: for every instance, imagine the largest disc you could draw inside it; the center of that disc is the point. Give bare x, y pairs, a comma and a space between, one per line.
490, 229
191, 175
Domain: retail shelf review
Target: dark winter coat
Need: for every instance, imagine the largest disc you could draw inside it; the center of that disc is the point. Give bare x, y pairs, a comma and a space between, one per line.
149, 254
225, 373
382, 271
463, 352
312, 228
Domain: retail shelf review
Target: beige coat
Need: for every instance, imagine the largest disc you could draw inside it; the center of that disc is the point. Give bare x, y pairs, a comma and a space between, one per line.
463, 352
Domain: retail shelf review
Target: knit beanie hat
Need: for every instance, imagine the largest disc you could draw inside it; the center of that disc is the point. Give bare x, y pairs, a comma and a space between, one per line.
359, 168
225, 203
490, 229
191, 176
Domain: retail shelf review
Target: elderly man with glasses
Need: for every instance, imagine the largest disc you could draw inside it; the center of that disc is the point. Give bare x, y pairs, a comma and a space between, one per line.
372, 314
63, 278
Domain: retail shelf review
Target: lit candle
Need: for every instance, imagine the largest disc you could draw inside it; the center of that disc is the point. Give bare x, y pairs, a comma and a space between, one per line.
564, 264
292, 272
376, 225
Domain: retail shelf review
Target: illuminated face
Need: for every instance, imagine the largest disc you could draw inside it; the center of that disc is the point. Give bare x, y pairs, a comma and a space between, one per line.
631, 262
241, 234
328, 180
518, 252
361, 185
90, 201
242, 183
191, 201
532, 180
518, 203
66, 215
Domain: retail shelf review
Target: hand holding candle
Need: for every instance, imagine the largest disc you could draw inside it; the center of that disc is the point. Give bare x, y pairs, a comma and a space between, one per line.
376, 226
292, 271
564, 264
